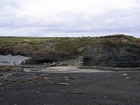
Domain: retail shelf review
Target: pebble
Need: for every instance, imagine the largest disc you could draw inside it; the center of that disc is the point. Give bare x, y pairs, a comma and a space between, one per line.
124, 74
127, 77
37, 91
67, 84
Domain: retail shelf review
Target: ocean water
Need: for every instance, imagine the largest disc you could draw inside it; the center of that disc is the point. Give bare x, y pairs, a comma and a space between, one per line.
12, 60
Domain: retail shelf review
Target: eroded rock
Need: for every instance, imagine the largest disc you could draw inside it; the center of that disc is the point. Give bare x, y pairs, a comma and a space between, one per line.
4, 68
116, 53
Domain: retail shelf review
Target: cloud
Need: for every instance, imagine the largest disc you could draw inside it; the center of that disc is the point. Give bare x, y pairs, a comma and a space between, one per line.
69, 17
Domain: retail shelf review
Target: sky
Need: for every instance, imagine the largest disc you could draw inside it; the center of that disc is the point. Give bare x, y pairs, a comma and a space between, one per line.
69, 18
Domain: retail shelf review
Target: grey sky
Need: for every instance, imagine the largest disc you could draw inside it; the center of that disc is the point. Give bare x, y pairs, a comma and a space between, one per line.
53, 18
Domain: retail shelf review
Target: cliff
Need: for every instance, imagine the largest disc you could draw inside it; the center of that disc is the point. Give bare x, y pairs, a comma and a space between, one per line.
107, 51
46, 50
114, 51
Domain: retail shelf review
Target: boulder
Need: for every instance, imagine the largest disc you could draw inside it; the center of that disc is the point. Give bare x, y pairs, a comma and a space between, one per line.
16, 69
4, 69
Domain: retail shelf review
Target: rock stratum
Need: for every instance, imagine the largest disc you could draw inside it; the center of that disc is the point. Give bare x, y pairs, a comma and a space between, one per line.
107, 51
117, 52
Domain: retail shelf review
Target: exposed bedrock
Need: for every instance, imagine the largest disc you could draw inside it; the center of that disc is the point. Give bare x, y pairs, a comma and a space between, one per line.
48, 58
113, 54
107, 51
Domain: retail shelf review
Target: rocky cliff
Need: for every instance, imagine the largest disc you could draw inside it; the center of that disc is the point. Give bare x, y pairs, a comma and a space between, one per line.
107, 51
46, 50
119, 51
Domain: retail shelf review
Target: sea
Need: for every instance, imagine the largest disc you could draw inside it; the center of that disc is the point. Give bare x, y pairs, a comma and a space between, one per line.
12, 60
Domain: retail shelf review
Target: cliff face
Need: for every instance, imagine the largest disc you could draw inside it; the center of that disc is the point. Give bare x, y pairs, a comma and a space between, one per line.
108, 51
40, 54
46, 50
116, 52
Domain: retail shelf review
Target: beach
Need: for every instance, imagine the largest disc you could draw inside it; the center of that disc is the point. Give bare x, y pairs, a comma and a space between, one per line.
68, 86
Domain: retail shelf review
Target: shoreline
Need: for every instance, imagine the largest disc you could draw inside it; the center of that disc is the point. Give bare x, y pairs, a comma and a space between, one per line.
43, 68
111, 68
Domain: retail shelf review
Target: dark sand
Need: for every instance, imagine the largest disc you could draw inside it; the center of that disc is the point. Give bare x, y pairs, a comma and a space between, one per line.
93, 88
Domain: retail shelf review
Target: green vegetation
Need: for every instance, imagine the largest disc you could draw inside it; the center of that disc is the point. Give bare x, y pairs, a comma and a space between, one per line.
134, 40
68, 45
119, 39
6, 41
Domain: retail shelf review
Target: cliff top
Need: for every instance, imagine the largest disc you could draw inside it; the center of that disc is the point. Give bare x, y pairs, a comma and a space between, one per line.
70, 45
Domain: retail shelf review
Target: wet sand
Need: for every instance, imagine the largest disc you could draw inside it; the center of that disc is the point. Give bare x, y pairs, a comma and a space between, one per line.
70, 88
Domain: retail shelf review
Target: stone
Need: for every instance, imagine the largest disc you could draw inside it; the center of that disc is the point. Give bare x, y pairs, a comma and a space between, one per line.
4, 69
16, 69
109, 53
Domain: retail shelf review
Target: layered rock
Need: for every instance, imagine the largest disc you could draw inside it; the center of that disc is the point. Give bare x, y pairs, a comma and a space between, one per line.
5, 50
107, 51
113, 53
49, 58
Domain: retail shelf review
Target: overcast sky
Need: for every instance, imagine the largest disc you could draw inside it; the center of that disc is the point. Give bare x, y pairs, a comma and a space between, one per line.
62, 18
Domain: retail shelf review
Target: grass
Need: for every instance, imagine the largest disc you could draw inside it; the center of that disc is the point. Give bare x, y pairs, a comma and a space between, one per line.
64, 44
8, 41
71, 45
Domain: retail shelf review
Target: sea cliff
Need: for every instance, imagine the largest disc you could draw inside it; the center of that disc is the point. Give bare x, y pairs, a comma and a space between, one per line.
107, 51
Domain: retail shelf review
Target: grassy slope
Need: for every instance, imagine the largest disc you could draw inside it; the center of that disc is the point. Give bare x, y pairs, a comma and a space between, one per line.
65, 44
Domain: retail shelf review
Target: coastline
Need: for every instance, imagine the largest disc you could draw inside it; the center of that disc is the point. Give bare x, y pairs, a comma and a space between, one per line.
41, 68
111, 68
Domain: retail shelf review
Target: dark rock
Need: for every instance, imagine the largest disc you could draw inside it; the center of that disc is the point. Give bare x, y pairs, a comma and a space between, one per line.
112, 54
48, 58
5, 50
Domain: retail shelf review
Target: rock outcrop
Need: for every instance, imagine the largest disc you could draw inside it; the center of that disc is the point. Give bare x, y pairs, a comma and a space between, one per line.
119, 52
5, 50
107, 51
4, 68
48, 58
